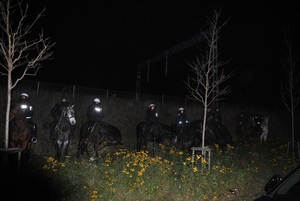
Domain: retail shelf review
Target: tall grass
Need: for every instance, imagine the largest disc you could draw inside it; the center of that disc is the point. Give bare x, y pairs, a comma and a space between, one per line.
171, 175
126, 174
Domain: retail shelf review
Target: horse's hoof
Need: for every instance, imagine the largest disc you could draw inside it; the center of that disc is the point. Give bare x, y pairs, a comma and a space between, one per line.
92, 158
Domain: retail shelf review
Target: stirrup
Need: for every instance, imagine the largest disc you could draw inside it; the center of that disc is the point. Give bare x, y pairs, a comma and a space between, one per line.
34, 140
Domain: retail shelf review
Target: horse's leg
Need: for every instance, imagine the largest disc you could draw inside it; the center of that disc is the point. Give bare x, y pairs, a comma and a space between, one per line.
263, 136
139, 142
64, 150
82, 144
140, 135
58, 145
238, 135
82, 147
27, 151
266, 135
95, 153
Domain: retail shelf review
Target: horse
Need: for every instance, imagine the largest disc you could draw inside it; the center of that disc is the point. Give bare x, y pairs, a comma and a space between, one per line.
62, 131
246, 131
20, 132
159, 134
191, 135
100, 135
265, 129
181, 133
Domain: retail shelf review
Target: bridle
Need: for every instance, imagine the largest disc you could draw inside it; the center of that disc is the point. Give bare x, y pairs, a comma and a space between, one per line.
70, 114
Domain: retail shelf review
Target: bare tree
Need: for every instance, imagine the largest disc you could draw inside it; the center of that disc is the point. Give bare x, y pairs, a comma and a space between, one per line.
206, 84
20, 53
290, 95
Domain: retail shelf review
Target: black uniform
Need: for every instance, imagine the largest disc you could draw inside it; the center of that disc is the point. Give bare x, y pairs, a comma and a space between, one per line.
258, 119
151, 117
242, 118
181, 118
56, 113
94, 113
26, 106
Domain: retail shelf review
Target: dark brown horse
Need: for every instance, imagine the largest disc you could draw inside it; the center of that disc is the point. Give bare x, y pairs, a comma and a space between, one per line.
19, 132
98, 136
191, 135
246, 131
159, 134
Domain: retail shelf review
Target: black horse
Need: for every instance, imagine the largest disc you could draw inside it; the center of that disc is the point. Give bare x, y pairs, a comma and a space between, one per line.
191, 135
187, 135
62, 132
246, 131
100, 135
159, 134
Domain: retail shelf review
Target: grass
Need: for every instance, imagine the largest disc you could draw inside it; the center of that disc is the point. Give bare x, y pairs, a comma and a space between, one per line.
171, 175
130, 175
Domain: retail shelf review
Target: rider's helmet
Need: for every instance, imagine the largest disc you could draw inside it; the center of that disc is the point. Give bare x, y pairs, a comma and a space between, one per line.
151, 106
97, 100
181, 110
64, 99
24, 96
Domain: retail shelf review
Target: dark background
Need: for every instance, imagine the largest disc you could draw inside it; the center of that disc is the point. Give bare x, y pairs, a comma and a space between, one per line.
100, 43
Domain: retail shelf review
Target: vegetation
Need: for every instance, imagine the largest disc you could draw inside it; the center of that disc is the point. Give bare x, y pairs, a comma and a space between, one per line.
205, 85
20, 54
290, 95
129, 175
237, 173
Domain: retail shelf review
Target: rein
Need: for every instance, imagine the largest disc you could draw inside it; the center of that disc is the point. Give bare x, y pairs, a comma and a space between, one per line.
93, 128
58, 126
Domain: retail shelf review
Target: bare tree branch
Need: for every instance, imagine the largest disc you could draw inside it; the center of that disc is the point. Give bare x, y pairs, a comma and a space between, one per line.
205, 85
290, 96
17, 50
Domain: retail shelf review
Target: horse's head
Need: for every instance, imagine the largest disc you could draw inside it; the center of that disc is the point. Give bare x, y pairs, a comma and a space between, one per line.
70, 114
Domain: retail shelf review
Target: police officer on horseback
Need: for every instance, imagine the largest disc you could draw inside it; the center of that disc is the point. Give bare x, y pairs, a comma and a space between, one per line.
242, 118
26, 106
181, 118
151, 117
258, 119
56, 113
95, 114
218, 120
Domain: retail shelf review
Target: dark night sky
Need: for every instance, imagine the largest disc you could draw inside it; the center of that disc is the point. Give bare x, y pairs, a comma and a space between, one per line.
101, 43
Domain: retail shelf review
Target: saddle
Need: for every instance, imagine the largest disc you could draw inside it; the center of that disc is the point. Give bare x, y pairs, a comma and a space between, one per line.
91, 127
